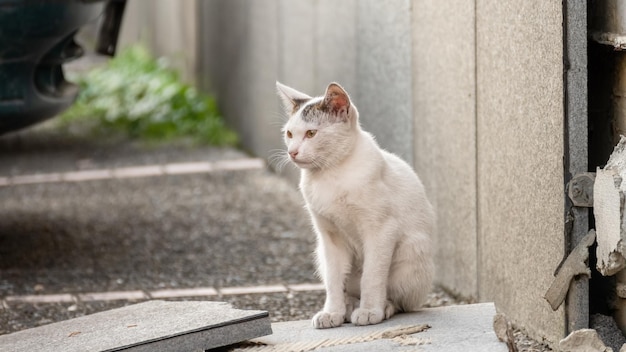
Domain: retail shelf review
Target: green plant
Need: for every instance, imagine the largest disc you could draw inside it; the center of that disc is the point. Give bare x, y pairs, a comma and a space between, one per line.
144, 98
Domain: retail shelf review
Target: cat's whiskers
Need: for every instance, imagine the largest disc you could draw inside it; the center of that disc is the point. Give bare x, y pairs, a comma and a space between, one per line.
278, 159
322, 163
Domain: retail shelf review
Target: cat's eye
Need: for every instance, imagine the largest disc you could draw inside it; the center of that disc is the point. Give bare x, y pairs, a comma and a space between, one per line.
289, 135
311, 133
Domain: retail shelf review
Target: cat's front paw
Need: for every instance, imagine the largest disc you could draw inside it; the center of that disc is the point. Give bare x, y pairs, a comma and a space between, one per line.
325, 320
362, 316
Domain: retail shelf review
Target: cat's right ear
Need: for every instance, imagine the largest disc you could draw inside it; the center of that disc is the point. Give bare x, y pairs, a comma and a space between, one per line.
292, 99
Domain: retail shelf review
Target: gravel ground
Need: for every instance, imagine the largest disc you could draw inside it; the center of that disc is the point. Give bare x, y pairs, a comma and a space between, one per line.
222, 229
281, 306
159, 232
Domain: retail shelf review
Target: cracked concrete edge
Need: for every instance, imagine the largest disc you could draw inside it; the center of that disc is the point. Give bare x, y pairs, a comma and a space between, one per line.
583, 340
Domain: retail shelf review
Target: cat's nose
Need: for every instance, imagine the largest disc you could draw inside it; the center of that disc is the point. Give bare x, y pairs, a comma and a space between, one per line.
293, 154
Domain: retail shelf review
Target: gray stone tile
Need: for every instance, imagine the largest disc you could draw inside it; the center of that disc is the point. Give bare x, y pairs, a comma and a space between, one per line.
149, 326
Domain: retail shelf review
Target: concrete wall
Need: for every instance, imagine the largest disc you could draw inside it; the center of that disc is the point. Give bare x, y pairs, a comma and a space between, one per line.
470, 92
384, 76
444, 101
363, 45
520, 152
167, 27
488, 107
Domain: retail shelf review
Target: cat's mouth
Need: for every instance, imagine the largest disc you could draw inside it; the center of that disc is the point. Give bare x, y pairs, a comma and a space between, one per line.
302, 164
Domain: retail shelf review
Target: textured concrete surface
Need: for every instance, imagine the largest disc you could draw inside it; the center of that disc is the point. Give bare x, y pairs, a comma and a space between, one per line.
465, 328
520, 159
444, 98
317, 44
297, 46
384, 73
150, 326
608, 331
337, 40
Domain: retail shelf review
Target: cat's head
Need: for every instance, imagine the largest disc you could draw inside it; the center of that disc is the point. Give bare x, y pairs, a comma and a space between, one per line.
320, 131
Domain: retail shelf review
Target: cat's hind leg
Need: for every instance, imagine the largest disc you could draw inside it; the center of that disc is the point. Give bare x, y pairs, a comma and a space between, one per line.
410, 278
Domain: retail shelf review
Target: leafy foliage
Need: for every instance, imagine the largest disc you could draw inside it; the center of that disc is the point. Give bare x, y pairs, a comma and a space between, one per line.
144, 98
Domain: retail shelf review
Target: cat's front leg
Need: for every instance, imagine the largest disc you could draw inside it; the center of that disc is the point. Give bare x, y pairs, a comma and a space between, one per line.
377, 256
334, 264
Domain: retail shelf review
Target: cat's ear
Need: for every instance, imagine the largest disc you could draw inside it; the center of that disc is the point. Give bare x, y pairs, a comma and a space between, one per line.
336, 100
292, 99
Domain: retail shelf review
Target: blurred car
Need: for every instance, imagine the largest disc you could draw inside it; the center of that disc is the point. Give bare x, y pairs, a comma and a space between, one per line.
36, 39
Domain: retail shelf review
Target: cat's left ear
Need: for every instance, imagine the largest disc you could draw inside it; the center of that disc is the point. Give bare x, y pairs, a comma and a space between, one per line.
336, 99
292, 99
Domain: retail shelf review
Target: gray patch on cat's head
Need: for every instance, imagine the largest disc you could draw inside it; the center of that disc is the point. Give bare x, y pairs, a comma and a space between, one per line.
297, 103
318, 111
311, 112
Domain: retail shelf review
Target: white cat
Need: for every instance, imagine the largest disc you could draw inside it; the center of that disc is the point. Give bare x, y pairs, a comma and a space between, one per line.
369, 211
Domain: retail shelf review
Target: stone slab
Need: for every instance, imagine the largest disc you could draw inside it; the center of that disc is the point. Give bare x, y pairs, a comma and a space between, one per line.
463, 328
149, 326
519, 160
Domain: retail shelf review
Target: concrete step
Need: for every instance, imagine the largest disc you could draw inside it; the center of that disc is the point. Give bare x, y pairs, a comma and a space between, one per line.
462, 328
149, 326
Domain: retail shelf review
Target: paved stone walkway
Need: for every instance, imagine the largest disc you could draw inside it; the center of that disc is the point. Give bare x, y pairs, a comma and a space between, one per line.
462, 328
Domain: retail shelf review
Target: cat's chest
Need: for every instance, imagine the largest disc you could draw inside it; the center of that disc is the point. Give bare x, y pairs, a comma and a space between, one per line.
339, 204
329, 202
